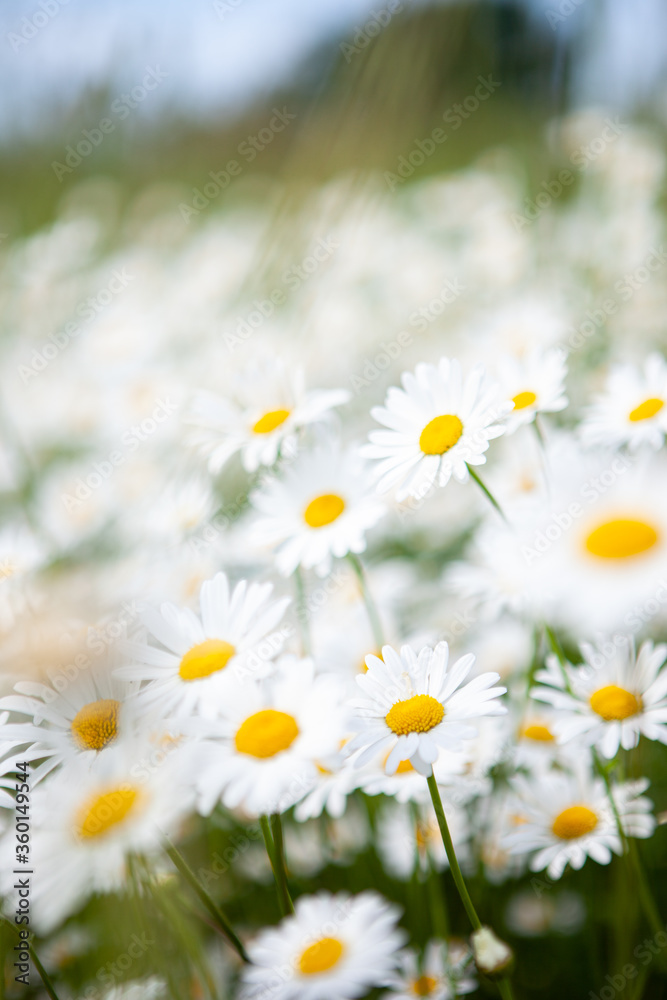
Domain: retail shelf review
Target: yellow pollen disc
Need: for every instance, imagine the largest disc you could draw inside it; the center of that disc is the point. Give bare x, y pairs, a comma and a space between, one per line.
205, 659
418, 714
523, 399
106, 811
646, 410
621, 539
424, 986
270, 420
321, 956
542, 734
266, 733
96, 724
405, 767
323, 510
615, 703
574, 822
440, 434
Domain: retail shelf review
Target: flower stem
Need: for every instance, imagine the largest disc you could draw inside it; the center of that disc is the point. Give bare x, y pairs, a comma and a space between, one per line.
451, 854
487, 492
371, 607
276, 858
302, 611
218, 916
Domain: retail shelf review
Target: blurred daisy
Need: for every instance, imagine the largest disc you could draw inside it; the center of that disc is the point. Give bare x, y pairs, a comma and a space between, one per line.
334, 946
334, 781
202, 656
321, 508
444, 972
264, 750
138, 989
275, 408
86, 821
414, 708
408, 840
438, 424
568, 818
613, 698
407, 784
535, 384
632, 410
78, 721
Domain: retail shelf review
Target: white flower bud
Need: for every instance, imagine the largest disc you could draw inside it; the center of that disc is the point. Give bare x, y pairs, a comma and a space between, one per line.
492, 955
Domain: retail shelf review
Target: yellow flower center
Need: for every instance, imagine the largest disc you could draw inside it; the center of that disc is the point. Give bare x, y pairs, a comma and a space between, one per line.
321, 956
424, 986
523, 399
96, 724
266, 733
574, 822
405, 767
542, 734
621, 538
205, 659
323, 510
107, 810
418, 714
440, 434
646, 410
270, 420
615, 703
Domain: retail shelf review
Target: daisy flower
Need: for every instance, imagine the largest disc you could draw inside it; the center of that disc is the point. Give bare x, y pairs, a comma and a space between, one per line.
87, 820
265, 422
632, 409
613, 698
444, 972
263, 752
415, 706
568, 818
333, 946
438, 424
201, 656
321, 508
535, 384
80, 720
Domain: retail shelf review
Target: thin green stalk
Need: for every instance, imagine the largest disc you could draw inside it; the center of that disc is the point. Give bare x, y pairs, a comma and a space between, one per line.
220, 919
559, 652
371, 607
451, 854
302, 611
284, 900
487, 493
279, 851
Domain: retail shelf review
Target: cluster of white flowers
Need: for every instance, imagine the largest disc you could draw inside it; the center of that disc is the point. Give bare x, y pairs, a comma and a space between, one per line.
229, 589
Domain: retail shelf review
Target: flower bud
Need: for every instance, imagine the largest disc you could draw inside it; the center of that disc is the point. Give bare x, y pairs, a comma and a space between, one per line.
492, 956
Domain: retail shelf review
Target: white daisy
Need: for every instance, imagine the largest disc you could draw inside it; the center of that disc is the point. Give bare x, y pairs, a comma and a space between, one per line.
613, 698
444, 972
567, 818
407, 783
335, 780
321, 508
264, 750
334, 946
86, 820
202, 656
80, 720
632, 410
438, 424
535, 384
264, 424
413, 707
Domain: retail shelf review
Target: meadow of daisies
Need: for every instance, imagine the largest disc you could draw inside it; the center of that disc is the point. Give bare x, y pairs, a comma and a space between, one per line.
333, 589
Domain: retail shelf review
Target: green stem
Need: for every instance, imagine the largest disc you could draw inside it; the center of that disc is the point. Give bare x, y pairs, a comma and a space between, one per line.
451, 854
284, 899
279, 850
487, 493
371, 607
218, 916
302, 611
559, 652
